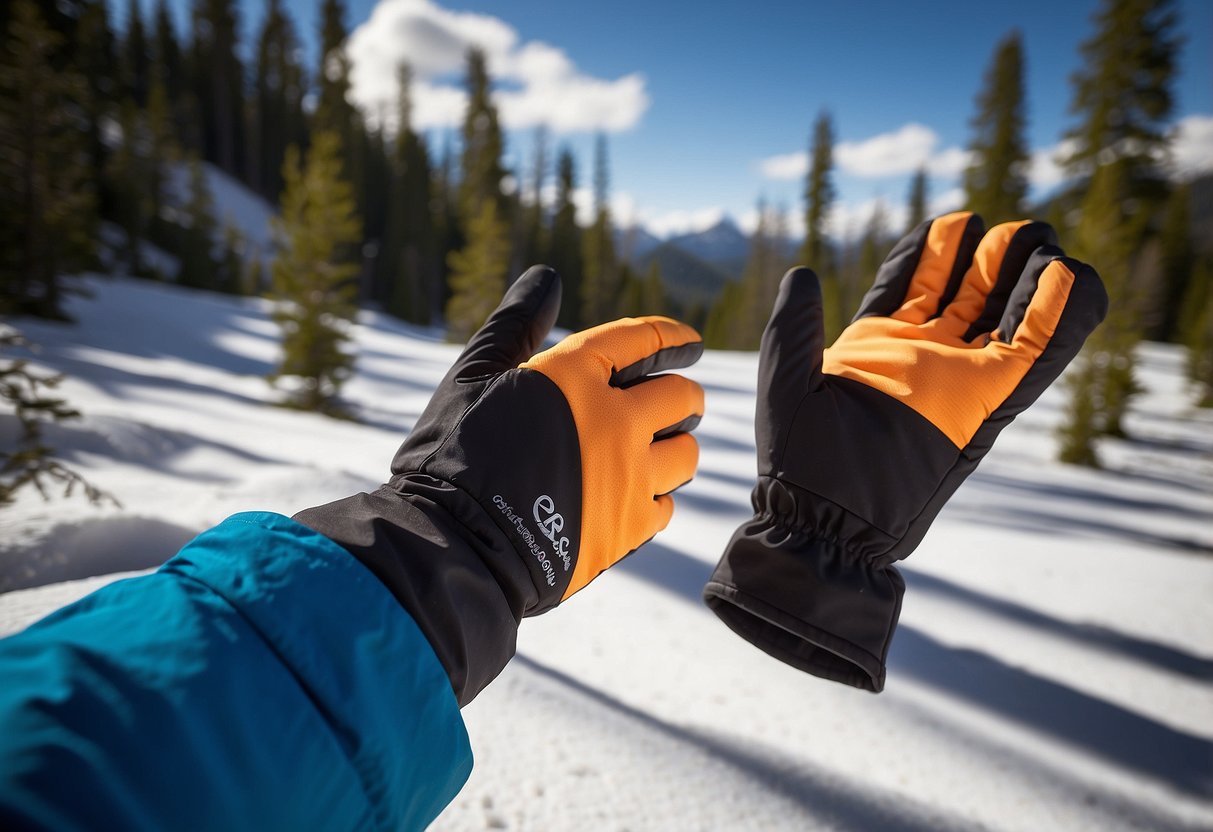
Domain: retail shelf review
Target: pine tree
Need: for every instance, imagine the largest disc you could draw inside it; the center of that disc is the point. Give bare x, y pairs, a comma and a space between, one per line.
1123, 92
95, 60
533, 237
162, 150
478, 273
739, 315
314, 277
916, 208
653, 300
407, 258
874, 246
199, 267
1123, 99
46, 195
169, 68
126, 174
641, 295
448, 234
29, 461
600, 282
1104, 382
219, 83
279, 89
819, 200
232, 271
482, 142
334, 112
564, 243
1197, 328
136, 62
1176, 267
996, 181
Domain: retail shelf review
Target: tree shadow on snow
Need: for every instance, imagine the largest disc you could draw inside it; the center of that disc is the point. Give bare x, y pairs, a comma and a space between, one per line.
1161, 656
1118, 735
83, 549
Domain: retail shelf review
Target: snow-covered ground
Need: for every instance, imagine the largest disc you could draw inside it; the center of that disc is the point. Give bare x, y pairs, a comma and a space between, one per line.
1053, 668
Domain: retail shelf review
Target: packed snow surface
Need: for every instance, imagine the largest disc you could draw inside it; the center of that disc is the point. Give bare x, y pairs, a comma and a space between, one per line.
1053, 668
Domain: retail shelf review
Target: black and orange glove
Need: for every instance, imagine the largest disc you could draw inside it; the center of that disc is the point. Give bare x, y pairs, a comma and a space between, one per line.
860, 447
527, 475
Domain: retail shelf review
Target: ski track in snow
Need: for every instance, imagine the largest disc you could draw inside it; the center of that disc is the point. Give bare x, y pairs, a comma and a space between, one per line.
1053, 668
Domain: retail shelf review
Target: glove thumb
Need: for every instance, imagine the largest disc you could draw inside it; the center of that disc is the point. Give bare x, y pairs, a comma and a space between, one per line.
516, 329
789, 363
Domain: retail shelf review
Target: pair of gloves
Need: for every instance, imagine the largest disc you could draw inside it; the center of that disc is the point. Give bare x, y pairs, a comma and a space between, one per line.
530, 473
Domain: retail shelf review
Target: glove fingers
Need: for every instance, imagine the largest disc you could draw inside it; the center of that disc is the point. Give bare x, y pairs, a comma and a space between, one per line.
630, 349
1000, 261
1049, 315
668, 402
516, 328
673, 462
922, 273
789, 363
1057, 310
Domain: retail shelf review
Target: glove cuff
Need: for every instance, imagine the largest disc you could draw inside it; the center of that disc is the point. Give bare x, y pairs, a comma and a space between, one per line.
448, 565
808, 601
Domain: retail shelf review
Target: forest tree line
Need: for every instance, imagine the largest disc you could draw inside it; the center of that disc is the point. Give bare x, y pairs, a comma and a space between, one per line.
94, 122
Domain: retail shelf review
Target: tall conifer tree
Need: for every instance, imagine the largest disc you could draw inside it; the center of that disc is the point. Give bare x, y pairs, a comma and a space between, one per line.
199, 266
600, 282
564, 243
818, 202
279, 89
46, 195
533, 234
1123, 99
916, 207
480, 165
996, 179
219, 83
314, 279
136, 60
407, 258
478, 273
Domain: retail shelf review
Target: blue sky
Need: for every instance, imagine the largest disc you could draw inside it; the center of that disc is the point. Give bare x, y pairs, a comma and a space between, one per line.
703, 93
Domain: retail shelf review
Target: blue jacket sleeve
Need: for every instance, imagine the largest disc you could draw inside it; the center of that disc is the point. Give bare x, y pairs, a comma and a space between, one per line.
261, 679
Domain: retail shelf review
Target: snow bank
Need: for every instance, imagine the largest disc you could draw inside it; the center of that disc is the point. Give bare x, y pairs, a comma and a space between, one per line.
1053, 670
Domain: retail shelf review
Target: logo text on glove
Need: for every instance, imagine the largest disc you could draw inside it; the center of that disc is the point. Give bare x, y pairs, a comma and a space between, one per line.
551, 522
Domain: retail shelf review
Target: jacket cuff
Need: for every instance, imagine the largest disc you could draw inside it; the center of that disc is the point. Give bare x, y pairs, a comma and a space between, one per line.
447, 564
808, 602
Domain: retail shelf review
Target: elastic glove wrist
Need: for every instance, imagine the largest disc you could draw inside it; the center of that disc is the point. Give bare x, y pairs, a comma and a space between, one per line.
795, 590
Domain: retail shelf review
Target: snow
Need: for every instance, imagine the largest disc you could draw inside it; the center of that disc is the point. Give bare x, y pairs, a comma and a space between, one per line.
1053, 668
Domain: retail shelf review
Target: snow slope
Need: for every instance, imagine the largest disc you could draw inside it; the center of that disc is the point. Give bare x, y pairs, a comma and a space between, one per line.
1053, 668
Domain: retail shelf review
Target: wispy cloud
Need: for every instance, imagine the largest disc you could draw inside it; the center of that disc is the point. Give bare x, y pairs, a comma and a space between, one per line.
895, 153
1192, 146
540, 84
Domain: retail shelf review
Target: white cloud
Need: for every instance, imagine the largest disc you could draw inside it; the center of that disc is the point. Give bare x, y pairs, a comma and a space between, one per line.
888, 154
897, 153
539, 83
948, 163
785, 167
1192, 146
